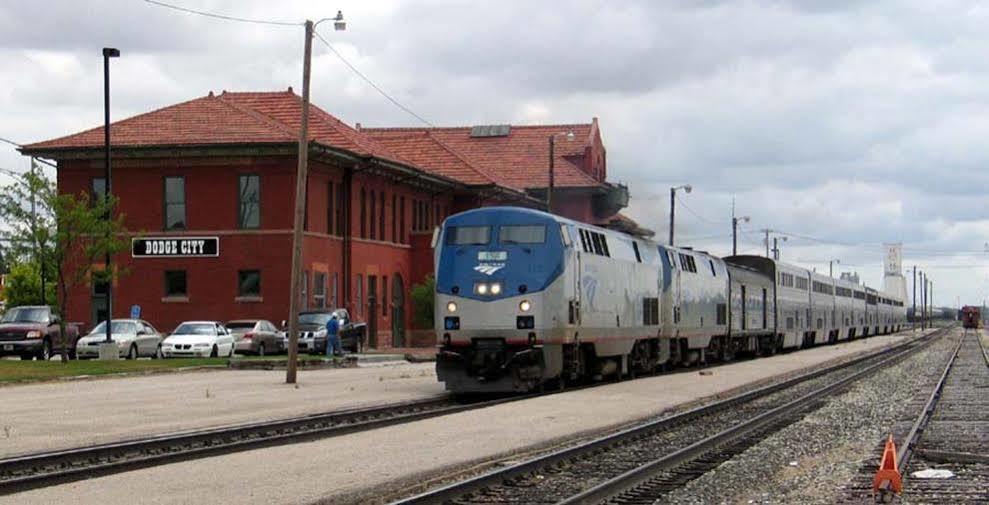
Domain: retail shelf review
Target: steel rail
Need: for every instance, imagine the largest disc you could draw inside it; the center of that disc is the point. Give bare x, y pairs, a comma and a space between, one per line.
496, 477
629, 480
42, 469
913, 436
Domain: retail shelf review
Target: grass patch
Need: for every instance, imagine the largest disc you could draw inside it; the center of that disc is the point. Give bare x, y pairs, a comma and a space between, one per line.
30, 371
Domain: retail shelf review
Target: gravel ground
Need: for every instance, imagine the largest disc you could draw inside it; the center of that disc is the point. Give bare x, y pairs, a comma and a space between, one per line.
811, 460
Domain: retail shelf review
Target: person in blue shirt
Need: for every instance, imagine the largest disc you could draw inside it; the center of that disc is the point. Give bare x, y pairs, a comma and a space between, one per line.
333, 337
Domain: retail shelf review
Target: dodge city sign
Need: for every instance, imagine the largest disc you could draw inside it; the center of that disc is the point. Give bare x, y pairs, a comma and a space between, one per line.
175, 247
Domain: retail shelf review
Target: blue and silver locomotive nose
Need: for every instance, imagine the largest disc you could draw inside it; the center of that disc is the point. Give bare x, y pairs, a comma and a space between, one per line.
495, 270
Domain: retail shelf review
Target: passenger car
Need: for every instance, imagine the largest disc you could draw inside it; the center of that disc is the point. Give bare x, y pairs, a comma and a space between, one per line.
134, 337
33, 331
198, 339
256, 336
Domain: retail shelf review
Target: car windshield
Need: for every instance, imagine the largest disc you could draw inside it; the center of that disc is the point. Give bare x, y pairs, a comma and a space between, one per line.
314, 318
240, 326
468, 235
26, 315
195, 329
117, 327
522, 234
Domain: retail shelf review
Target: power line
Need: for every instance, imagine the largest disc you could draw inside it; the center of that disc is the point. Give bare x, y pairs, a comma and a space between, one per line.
698, 216
223, 16
371, 83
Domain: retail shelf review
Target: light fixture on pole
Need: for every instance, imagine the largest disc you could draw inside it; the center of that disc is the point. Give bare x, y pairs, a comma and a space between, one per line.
831, 266
108, 52
673, 195
734, 232
776, 247
301, 177
552, 166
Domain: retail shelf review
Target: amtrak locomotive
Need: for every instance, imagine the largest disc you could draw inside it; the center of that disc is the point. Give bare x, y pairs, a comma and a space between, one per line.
526, 299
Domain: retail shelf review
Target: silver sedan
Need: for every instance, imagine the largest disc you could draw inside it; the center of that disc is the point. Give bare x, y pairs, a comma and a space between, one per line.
135, 338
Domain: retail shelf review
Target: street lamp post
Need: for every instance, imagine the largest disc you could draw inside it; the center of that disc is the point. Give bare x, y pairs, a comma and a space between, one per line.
673, 195
734, 232
108, 52
831, 266
301, 178
552, 167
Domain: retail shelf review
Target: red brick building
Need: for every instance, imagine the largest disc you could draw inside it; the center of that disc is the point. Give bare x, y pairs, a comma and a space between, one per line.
223, 166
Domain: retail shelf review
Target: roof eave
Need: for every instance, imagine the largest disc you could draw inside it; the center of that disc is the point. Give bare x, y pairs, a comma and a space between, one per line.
162, 151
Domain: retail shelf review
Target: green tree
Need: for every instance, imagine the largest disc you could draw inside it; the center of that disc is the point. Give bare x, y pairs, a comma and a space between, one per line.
423, 295
23, 286
65, 234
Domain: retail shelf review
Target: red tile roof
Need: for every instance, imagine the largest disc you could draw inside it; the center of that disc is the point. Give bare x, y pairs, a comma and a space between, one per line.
515, 161
520, 158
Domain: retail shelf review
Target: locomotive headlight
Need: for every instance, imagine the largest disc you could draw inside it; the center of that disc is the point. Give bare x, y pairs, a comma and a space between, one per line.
524, 306
496, 288
451, 307
481, 288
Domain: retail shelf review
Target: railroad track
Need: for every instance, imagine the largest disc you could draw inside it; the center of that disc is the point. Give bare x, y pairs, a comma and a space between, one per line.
43, 469
951, 432
641, 464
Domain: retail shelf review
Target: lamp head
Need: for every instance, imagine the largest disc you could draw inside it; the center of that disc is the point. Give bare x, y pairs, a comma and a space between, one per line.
111, 52
744, 219
338, 23
688, 188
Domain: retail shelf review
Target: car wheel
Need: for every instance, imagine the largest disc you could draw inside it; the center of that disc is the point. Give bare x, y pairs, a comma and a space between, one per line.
27, 357
157, 354
214, 353
46, 350
231, 353
132, 352
261, 350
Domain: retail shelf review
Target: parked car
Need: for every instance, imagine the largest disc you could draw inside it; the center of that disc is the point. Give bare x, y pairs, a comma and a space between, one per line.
135, 338
198, 339
32, 332
312, 331
256, 336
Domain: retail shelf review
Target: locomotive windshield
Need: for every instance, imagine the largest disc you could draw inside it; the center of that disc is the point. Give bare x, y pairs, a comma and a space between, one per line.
468, 235
523, 234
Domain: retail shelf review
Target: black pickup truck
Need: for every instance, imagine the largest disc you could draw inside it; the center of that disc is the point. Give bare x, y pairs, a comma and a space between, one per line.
32, 332
312, 331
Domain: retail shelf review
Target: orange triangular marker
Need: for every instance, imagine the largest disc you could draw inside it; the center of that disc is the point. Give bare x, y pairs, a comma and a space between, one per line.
888, 471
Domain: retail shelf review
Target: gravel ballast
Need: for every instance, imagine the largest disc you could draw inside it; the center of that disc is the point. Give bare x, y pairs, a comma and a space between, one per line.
811, 460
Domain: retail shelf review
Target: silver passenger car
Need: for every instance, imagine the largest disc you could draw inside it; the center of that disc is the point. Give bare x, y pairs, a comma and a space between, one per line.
135, 338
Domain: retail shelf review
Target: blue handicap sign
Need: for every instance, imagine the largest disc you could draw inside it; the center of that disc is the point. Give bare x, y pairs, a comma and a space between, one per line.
135, 311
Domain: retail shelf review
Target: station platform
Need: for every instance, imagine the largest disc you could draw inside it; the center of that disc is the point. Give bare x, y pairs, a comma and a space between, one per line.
361, 467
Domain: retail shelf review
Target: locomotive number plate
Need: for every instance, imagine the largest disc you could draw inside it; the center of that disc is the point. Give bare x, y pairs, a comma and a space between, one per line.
492, 256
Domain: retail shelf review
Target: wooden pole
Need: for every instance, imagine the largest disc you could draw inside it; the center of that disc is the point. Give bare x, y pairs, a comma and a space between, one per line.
302, 175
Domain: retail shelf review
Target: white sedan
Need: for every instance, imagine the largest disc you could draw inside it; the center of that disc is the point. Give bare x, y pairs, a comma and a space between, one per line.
199, 339
134, 338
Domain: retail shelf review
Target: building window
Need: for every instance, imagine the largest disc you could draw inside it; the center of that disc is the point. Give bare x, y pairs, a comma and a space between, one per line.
175, 284
360, 294
394, 220
330, 214
363, 213
249, 283
384, 296
175, 203
342, 205
381, 216
401, 218
373, 223
98, 190
319, 290
249, 215
335, 290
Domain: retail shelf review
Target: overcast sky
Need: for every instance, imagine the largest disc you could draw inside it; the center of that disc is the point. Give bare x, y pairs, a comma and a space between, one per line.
850, 122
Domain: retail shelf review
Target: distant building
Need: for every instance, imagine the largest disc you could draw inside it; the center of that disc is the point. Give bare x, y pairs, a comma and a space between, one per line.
850, 277
208, 186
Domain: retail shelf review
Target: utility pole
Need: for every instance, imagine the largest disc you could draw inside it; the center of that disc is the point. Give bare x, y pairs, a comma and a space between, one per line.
776, 249
923, 301
301, 177
766, 231
108, 52
34, 229
914, 325
673, 195
301, 183
552, 174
